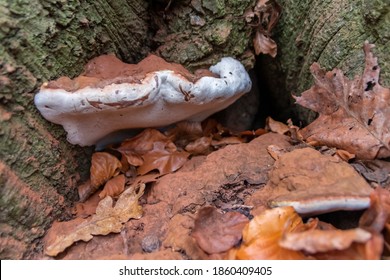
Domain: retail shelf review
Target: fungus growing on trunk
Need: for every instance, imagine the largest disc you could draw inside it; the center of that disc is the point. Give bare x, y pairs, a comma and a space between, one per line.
111, 95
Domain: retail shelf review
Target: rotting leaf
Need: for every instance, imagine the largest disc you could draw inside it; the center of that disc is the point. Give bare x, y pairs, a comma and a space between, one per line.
353, 115
103, 167
261, 236
114, 186
216, 232
108, 218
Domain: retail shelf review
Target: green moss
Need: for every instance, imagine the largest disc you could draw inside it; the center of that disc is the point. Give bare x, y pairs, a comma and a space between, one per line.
217, 7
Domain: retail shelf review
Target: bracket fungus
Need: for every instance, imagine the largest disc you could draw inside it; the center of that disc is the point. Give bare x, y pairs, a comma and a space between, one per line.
111, 95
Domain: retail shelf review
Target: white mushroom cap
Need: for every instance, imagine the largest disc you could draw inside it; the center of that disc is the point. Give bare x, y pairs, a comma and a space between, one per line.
160, 99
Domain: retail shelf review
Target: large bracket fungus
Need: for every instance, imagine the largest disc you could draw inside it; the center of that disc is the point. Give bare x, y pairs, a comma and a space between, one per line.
111, 95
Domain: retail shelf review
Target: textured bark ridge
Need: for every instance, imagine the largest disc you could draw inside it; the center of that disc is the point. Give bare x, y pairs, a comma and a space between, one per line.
42, 40
197, 33
329, 32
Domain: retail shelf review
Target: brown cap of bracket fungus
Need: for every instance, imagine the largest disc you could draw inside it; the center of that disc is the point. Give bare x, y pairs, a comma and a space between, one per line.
111, 95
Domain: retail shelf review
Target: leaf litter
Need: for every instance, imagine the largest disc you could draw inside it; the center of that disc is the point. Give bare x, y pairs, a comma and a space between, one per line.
214, 194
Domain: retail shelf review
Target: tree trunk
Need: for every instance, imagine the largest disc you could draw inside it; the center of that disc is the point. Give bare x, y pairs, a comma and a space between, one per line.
44, 39
331, 32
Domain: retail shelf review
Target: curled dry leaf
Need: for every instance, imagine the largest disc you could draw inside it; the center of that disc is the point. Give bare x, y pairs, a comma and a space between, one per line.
108, 218
314, 241
261, 236
216, 232
275, 126
103, 167
353, 115
114, 186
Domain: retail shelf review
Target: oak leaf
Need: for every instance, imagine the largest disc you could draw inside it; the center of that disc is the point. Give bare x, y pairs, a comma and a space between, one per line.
353, 114
108, 218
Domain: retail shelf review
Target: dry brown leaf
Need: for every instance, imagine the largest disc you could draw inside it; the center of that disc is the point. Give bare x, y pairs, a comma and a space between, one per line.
376, 170
375, 218
103, 167
261, 236
108, 218
275, 126
199, 146
162, 160
264, 44
216, 232
133, 148
353, 115
264, 17
318, 241
114, 186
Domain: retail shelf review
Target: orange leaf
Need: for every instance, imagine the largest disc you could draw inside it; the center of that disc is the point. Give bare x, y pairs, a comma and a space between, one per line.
261, 236
103, 167
114, 187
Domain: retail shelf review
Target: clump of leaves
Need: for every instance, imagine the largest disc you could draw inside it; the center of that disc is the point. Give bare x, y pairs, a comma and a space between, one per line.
264, 17
353, 115
108, 218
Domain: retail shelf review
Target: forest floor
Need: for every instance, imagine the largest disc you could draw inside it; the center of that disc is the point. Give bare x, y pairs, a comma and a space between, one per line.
200, 191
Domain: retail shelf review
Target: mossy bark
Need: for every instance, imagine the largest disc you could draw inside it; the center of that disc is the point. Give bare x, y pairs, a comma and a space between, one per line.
331, 32
42, 40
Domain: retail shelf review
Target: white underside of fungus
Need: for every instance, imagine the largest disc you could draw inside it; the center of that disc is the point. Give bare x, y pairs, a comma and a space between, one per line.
161, 98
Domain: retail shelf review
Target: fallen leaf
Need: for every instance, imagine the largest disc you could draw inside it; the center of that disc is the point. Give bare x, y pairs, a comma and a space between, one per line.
264, 44
314, 241
275, 126
344, 155
103, 167
200, 146
162, 160
353, 115
114, 186
261, 236
377, 171
314, 183
216, 232
133, 149
108, 218
264, 17
377, 215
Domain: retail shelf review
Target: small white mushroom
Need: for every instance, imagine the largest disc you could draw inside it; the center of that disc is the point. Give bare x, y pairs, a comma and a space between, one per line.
159, 99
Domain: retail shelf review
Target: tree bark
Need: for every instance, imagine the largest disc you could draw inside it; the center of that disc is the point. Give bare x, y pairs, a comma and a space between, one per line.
330, 32
44, 39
